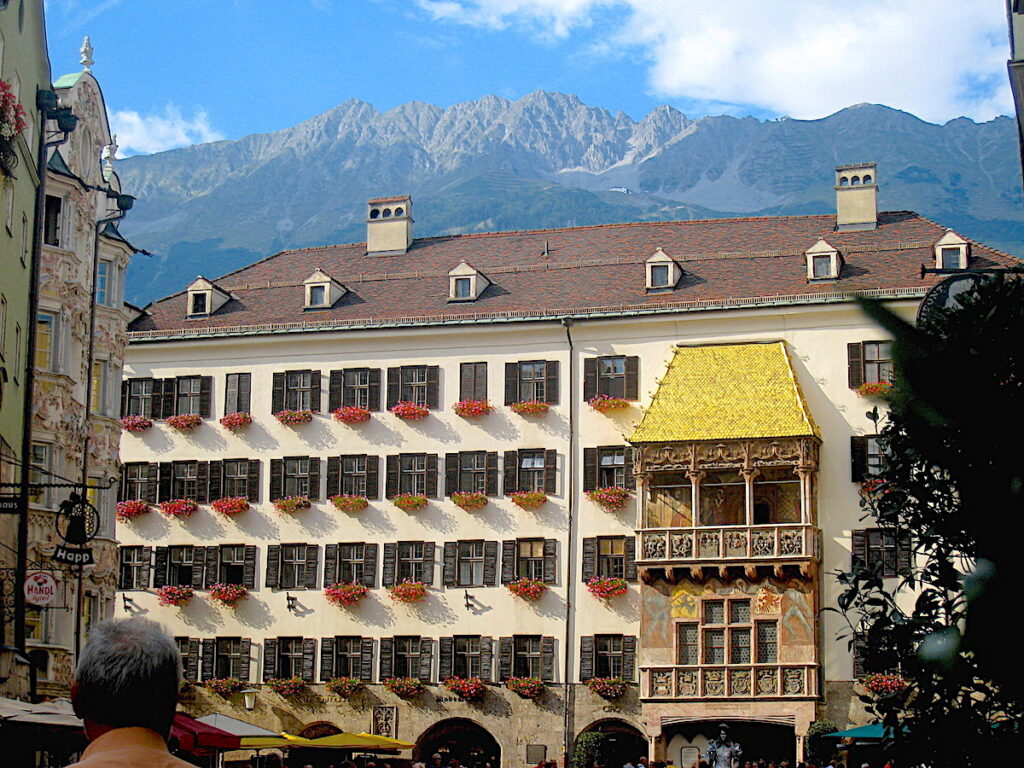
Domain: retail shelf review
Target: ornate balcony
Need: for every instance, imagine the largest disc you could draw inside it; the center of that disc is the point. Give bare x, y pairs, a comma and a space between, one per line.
750, 682
728, 544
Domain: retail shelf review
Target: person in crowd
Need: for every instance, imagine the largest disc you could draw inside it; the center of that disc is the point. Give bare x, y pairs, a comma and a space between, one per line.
627, 764
435, 760
126, 691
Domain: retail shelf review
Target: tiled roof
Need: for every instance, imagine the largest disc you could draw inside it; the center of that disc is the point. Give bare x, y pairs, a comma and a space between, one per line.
571, 271
726, 392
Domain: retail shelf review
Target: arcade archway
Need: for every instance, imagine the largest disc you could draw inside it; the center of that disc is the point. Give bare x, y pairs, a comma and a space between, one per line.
621, 743
471, 744
687, 742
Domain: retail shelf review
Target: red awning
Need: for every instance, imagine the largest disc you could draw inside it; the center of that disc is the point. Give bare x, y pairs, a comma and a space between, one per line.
194, 736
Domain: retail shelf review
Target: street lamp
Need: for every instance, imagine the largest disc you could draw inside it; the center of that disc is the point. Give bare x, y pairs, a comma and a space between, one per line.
249, 698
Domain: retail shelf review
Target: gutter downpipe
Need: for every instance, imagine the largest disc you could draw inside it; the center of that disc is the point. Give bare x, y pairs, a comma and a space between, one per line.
569, 705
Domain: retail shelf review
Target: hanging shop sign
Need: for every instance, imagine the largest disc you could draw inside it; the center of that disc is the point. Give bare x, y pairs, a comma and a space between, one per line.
943, 296
40, 588
77, 524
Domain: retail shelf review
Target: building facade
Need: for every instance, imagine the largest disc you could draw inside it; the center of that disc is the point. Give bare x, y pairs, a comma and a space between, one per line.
674, 445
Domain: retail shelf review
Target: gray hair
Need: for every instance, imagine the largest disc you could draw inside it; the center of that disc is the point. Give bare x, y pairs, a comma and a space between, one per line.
129, 674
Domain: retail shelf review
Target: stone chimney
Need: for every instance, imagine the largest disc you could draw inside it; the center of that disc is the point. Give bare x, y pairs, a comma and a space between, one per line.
389, 225
856, 197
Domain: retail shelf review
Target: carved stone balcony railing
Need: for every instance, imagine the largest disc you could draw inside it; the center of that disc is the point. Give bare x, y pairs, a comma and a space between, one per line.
737, 543
753, 681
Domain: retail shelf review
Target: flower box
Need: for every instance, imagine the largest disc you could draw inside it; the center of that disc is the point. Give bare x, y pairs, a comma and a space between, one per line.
466, 688
606, 403
224, 686
230, 505
410, 501
404, 687
345, 687
469, 408
237, 420
469, 500
348, 503
606, 587
528, 589
287, 686
185, 422
228, 594
291, 504
529, 499
879, 389
884, 685
12, 114
350, 414
345, 593
607, 687
408, 591
170, 595
403, 409
526, 687
179, 507
294, 418
612, 498
530, 407
128, 510
136, 423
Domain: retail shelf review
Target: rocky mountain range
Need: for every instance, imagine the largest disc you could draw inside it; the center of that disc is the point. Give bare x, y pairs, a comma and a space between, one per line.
546, 160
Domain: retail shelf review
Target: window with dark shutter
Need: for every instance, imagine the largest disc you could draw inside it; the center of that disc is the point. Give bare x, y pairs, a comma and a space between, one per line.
532, 380
550, 472
426, 659
589, 563
389, 565
355, 387
473, 381
586, 658
526, 656
269, 658
867, 457
327, 659
366, 660
138, 397
547, 659
550, 561
237, 393
882, 551
135, 481
273, 569
387, 658
511, 480
296, 391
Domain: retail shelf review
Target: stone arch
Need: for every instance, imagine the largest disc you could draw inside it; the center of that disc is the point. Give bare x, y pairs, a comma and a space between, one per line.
319, 729
461, 738
623, 742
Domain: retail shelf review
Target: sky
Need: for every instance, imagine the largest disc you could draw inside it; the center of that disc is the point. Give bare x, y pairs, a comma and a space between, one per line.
178, 72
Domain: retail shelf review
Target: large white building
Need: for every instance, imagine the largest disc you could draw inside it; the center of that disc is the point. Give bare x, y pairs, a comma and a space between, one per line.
740, 351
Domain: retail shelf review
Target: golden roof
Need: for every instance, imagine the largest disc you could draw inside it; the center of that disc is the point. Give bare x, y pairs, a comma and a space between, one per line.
726, 391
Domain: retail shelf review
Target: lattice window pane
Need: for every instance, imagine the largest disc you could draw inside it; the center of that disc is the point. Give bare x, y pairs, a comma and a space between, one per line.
714, 612
767, 642
687, 644
739, 612
739, 646
714, 646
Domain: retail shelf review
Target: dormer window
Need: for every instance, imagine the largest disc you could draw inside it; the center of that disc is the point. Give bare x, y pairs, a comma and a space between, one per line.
823, 261
952, 251
822, 267
205, 298
317, 295
662, 272
463, 288
322, 291
465, 283
200, 303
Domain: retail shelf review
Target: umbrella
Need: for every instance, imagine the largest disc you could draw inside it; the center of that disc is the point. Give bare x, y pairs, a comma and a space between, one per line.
875, 731
356, 741
58, 713
269, 742
387, 741
12, 707
193, 735
235, 726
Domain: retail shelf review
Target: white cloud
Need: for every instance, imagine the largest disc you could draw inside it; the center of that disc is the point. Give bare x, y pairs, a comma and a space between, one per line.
145, 134
805, 58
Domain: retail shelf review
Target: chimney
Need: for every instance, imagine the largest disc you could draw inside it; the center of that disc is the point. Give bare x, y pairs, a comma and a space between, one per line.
389, 225
856, 197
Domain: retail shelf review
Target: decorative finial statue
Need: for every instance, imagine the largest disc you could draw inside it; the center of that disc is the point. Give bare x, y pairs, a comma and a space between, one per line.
110, 152
86, 51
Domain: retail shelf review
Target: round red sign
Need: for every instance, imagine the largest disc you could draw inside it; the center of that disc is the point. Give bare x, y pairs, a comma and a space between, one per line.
40, 588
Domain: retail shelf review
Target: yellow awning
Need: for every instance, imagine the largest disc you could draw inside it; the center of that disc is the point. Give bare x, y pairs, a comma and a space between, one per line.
726, 392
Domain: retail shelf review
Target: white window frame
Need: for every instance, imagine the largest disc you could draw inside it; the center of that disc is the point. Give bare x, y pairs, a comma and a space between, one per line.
662, 259
819, 250
209, 303
326, 288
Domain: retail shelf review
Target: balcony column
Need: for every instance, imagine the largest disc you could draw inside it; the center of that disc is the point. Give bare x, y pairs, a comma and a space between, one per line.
806, 476
748, 477
695, 477
643, 494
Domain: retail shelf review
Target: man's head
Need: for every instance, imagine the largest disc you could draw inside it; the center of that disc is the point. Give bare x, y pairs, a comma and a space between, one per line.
128, 675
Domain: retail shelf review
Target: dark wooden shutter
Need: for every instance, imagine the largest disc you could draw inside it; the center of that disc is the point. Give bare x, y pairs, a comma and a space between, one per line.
491, 465
314, 391
312, 565
124, 398
431, 479
508, 561
215, 484
252, 480
589, 559
394, 386
333, 476
445, 657
205, 395
511, 472
198, 567
589, 377
249, 567
632, 382
209, 657
244, 404
629, 571
589, 469
152, 483
330, 565
550, 561
511, 383
426, 658
308, 658
467, 380
550, 472
505, 645
276, 479
231, 393
277, 393
212, 575
335, 387
490, 563
314, 478
586, 658
451, 473
169, 391
145, 569
373, 477
389, 569
858, 458
245, 653
487, 659
855, 364
629, 658
451, 556
191, 665
630, 478
547, 659
387, 658
160, 567
366, 659
370, 565
373, 390
859, 548
904, 555
391, 476
433, 387
326, 659
166, 476
428, 562
202, 482
551, 382
269, 658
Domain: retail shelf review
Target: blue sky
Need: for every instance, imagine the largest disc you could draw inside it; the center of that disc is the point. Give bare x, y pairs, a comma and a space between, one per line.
176, 72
